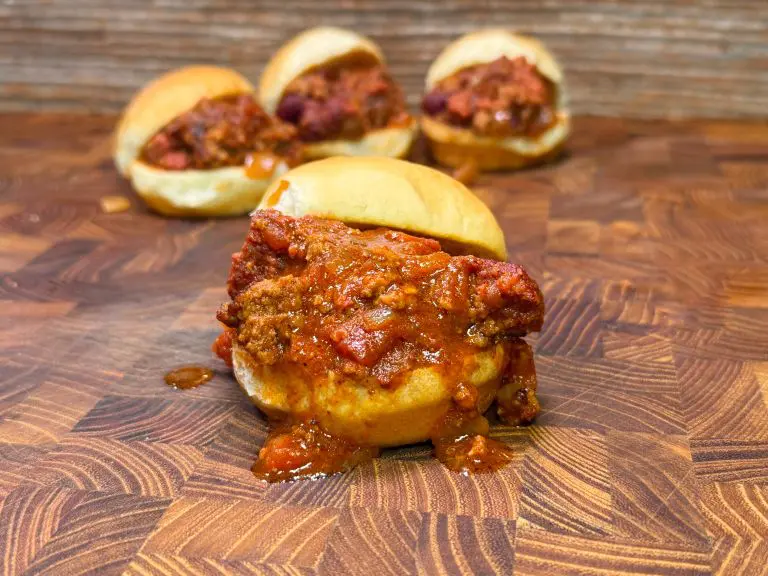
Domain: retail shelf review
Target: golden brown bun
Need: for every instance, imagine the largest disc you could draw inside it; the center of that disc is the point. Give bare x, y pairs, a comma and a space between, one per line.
389, 193
216, 192
316, 47
409, 413
453, 146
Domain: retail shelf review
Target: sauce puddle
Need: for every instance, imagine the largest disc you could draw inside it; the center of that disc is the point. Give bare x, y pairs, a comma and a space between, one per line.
304, 450
472, 454
188, 377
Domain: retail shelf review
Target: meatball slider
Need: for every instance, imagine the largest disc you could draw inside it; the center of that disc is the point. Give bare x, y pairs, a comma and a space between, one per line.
195, 142
497, 99
372, 306
334, 86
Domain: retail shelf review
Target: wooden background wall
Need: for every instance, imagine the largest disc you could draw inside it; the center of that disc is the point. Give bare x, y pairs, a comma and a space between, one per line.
677, 58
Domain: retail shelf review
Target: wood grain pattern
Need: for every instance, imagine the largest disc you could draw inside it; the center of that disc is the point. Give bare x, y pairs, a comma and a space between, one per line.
625, 58
650, 455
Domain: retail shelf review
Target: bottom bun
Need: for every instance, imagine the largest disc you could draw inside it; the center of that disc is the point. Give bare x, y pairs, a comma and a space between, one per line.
388, 142
217, 192
411, 412
453, 146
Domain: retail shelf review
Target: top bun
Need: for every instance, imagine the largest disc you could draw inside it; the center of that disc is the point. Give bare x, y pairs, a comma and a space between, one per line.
166, 98
486, 46
308, 50
384, 192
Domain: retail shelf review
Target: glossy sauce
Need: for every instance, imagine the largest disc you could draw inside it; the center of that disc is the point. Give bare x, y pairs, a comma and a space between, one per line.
188, 377
472, 454
304, 450
259, 166
274, 196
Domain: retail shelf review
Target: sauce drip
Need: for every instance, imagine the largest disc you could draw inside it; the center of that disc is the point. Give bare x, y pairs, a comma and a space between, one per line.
188, 377
467, 173
472, 454
260, 166
304, 450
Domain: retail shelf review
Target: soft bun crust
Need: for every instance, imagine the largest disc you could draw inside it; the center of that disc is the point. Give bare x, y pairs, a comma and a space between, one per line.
218, 192
311, 48
384, 192
408, 413
453, 146
487, 45
387, 142
164, 99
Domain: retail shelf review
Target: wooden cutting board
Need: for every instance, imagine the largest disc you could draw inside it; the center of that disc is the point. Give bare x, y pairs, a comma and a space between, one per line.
650, 242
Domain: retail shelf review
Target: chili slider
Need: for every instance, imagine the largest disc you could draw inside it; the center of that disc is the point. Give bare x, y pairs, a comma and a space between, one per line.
334, 86
195, 142
372, 297
496, 98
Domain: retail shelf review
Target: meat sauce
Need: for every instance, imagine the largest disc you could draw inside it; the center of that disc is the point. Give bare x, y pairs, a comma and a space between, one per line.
500, 99
226, 131
305, 450
371, 306
472, 454
342, 102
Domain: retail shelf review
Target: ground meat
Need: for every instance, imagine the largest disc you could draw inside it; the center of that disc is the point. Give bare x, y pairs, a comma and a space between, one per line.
221, 132
370, 304
501, 98
342, 103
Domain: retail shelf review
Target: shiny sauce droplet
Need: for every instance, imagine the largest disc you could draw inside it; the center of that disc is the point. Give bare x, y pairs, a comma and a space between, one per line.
472, 454
274, 196
188, 377
260, 166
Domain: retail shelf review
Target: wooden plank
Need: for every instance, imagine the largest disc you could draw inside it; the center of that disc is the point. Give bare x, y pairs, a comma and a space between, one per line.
645, 59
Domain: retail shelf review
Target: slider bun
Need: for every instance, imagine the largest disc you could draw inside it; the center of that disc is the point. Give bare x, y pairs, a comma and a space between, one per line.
216, 192
388, 142
219, 192
408, 413
311, 49
384, 192
317, 47
452, 146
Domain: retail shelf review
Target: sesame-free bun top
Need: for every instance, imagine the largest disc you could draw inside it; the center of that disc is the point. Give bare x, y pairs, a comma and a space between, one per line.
310, 49
390, 193
487, 45
166, 98
453, 145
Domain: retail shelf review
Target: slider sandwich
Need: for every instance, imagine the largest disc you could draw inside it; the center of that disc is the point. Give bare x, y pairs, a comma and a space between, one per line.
496, 99
371, 305
195, 142
334, 87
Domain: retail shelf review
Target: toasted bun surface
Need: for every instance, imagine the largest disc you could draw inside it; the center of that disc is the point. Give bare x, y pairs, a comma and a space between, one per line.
409, 413
164, 99
308, 50
453, 146
385, 192
216, 192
